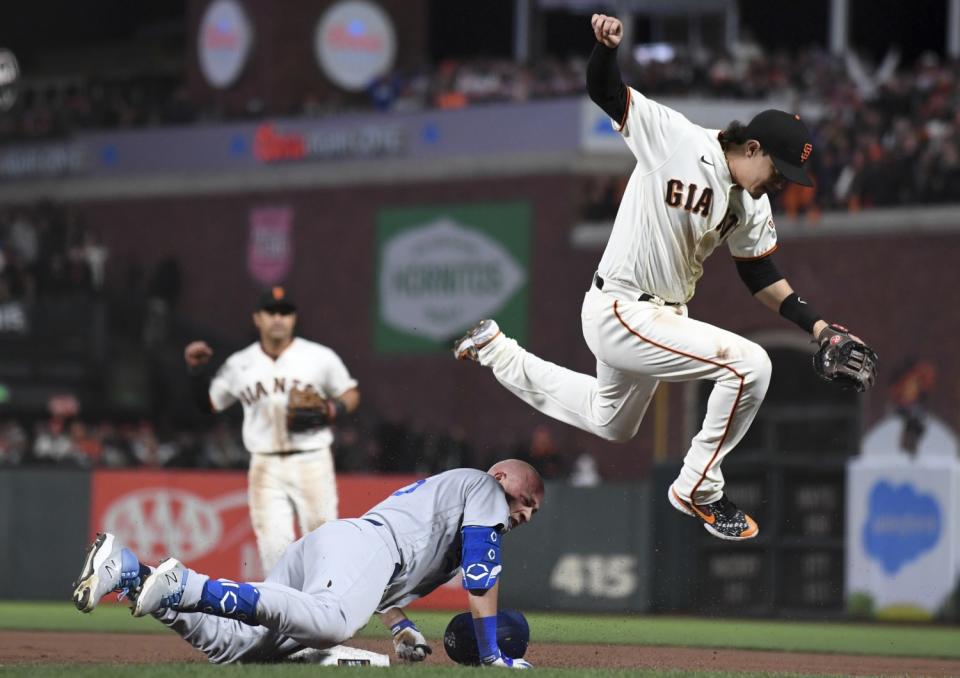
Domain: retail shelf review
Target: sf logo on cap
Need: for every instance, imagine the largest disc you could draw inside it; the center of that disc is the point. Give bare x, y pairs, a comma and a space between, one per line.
278, 293
807, 150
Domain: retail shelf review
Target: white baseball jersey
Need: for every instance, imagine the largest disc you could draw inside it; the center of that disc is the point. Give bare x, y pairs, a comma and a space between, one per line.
679, 205
262, 384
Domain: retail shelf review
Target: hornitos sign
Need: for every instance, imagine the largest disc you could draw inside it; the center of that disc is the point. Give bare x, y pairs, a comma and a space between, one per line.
443, 269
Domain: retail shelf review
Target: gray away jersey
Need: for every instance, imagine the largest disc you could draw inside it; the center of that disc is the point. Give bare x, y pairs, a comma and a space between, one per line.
426, 518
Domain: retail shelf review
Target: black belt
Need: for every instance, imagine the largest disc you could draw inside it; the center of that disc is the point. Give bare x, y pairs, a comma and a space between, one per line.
288, 453
598, 281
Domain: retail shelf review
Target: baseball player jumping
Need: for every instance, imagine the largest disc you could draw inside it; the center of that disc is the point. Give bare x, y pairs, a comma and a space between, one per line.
327, 584
692, 190
292, 390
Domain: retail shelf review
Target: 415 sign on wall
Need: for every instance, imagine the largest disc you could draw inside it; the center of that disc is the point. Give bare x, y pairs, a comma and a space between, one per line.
595, 575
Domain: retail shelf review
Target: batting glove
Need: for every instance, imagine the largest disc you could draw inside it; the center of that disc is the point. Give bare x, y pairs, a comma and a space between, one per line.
502, 661
408, 642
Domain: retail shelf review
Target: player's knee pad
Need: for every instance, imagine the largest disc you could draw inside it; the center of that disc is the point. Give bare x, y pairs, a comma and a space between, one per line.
230, 599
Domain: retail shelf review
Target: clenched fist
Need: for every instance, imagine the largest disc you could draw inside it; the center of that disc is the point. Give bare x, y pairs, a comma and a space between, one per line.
197, 353
409, 643
607, 29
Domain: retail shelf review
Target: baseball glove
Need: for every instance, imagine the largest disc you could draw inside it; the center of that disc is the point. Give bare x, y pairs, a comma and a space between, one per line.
307, 409
845, 360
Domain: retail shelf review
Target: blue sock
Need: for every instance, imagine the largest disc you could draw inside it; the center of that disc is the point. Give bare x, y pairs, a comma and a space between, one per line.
230, 599
486, 630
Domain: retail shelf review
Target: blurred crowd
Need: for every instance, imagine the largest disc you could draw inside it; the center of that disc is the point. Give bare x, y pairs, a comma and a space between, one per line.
52, 260
46, 249
56, 109
363, 444
886, 134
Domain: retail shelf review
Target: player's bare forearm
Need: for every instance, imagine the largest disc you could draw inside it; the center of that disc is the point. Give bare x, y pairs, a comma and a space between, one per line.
773, 295
392, 616
484, 604
351, 399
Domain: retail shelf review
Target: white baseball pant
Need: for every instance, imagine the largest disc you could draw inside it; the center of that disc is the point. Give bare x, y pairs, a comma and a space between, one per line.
281, 485
322, 591
638, 345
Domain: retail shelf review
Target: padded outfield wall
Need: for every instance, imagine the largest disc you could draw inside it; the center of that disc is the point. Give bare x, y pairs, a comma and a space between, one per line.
588, 551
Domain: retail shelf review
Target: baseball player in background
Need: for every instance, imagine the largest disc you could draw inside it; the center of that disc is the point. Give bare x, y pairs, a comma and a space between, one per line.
329, 583
292, 390
692, 190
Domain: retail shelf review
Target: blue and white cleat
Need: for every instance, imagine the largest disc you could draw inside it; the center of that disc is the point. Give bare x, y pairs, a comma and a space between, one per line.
478, 336
163, 589
108, 566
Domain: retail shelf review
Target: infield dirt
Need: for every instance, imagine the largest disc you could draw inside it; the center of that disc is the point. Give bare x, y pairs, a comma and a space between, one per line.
30, 647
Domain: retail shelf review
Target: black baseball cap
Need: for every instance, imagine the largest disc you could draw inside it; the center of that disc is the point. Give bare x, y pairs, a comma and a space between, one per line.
786, 140
276, 299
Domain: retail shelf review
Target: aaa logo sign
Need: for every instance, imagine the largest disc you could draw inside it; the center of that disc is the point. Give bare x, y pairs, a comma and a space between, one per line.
438, 276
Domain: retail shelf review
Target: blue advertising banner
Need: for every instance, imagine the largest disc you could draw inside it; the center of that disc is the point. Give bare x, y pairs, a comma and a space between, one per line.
482, 130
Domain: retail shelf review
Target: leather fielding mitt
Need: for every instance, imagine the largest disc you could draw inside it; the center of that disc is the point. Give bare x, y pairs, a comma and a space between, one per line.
845, 360
307, 409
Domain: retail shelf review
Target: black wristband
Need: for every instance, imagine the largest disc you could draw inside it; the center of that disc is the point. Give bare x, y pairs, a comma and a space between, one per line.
339, 409
799, 312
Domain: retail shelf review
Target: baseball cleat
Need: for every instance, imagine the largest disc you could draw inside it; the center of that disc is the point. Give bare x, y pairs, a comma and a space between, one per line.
720, 518
108, 566
162, 589
478, 336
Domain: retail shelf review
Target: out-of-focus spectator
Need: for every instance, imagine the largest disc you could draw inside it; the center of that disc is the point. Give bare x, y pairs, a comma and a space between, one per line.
116, 452
13, 315
148, 449
13, 442
92, 251
585, 472
22, 238
543, 453
86, 443
52, 442
221, 449
164, 293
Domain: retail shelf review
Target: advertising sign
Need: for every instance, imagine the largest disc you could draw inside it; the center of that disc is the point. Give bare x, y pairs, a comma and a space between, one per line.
354, 43
441, 269
902, 538
201, 517
269, 247
224, 42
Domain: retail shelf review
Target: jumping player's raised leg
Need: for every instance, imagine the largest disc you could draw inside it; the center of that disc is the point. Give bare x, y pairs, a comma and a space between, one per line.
610, 405
637, 345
